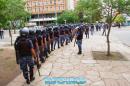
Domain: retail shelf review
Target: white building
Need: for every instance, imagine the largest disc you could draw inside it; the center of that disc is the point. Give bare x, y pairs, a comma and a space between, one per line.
70, 4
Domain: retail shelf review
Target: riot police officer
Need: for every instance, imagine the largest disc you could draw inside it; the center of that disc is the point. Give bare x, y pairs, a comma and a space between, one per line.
44, 37
48, 41
92, 29
67, 38
25, 50
51, 33
56, 37
32, 37
87, 31
79, 37
62, 36
40, 44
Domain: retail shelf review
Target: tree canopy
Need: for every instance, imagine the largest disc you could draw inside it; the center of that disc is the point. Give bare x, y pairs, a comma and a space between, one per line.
11, 11
119, 19
90, 10
68, 17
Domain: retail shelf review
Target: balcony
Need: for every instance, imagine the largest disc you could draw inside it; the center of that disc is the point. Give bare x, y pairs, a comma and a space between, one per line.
42, 19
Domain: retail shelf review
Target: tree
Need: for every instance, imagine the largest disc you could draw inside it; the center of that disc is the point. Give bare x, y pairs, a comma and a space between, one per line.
12, 11
89, 10
122, 6
67, 16
113, 9
119, 19
16, 11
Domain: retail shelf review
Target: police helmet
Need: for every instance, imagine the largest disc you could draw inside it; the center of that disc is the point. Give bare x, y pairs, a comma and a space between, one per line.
55, 28
49, 29
32, 32
24, 31
43, 31
38, 32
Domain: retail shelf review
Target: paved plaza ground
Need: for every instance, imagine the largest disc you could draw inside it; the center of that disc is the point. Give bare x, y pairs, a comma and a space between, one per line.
65, 62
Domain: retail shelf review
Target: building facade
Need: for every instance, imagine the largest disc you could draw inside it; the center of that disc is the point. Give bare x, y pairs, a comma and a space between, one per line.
46, 11
75, 3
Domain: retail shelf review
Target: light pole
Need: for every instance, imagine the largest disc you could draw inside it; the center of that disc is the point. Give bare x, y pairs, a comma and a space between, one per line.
55, 11
65, 22
38, 13
29, 10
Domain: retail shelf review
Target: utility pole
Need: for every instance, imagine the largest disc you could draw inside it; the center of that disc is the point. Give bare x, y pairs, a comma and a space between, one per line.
55, 11
38, 13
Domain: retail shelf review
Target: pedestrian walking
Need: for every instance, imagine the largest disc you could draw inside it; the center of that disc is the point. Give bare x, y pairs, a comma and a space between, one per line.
92, 29
0, 34
104, 29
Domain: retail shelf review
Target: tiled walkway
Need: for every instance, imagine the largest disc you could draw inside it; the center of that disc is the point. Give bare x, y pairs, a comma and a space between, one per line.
65, 62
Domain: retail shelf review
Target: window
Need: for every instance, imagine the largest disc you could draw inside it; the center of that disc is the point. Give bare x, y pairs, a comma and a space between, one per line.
59, 7
47, 8
34, 3
50, 7
35, 10
40, 9
50, 1
29, 9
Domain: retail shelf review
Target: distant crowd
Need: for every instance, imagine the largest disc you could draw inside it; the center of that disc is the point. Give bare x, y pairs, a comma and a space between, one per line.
1, 34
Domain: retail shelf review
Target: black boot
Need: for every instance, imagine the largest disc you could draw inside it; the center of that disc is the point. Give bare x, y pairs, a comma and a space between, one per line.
27, 81
61, 44
32, 78
80, 52
42, 60
66, 43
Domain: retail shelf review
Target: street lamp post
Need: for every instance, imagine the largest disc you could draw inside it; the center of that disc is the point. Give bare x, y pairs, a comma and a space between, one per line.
38, 14
28, 10
65, 22
55, 11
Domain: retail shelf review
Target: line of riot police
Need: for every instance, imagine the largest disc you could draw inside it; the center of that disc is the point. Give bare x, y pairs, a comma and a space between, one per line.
33, 46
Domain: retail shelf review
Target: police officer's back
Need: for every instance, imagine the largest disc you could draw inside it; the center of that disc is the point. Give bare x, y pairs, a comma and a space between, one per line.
26, 52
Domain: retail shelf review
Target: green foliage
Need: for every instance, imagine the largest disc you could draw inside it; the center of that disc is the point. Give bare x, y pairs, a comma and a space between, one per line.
116, 6
12, 11
121, 6
90, 10
68, 16
119, 19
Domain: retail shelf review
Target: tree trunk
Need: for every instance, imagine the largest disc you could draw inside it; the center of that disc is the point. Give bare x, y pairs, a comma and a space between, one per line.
108, 41
13, 27
11, 36
14, 30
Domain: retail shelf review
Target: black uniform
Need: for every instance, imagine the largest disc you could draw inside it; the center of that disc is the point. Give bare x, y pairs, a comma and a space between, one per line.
51, 33
79, 35
87, 31
23, 47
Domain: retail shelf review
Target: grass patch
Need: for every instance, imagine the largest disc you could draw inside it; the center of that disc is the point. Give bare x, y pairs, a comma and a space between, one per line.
116, 56
8, 67
1, 49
